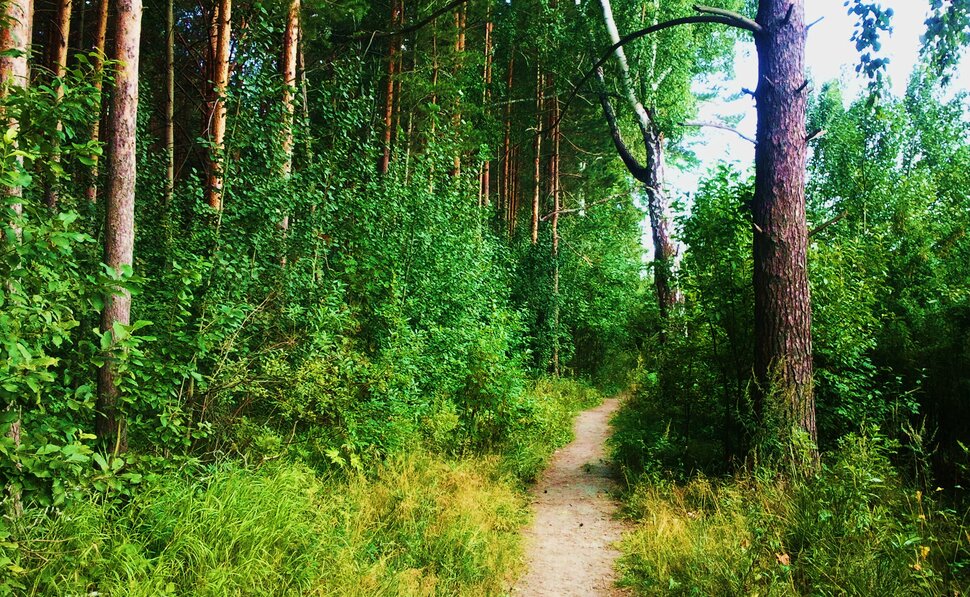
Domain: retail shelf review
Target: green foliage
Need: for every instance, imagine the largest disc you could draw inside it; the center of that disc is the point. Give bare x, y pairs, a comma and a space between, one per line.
851, 528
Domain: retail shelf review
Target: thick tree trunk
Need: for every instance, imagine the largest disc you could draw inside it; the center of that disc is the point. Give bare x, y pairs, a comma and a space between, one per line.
59, 35
219, 112
783, 341
120, 211
100, 37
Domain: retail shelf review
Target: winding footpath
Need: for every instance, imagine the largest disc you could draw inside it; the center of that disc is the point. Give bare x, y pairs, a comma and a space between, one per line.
570, 542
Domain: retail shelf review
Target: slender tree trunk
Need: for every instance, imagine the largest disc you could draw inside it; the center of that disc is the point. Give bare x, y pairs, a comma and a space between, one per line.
487, 165
169, 102
556, 206
657, 208
60, 34
460, 21
100, 37
506, 195
291, 35
783, 341
392, 47
652, 176
14, 44
537, 146
120, 211
219, 111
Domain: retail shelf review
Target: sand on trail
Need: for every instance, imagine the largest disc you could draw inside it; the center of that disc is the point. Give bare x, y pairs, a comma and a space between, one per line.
569, 544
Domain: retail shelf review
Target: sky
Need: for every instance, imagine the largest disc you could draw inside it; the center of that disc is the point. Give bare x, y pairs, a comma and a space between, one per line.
829, 55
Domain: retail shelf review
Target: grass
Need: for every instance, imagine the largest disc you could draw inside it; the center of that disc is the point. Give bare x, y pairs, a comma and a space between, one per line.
851, 528
418, 524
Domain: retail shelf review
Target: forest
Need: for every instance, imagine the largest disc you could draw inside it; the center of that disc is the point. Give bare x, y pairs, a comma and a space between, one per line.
303, 297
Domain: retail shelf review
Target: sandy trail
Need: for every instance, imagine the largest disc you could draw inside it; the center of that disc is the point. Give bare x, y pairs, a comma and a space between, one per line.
569, 543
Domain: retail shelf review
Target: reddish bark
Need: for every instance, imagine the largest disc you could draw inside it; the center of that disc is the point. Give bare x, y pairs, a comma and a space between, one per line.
100, 37
783, 341
120, 211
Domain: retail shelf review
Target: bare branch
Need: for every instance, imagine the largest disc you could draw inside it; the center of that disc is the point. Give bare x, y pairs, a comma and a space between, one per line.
413, 27
576, 209
822, 227
813, 23
816, 134
749, 24
636, 168
731, 21
723, 127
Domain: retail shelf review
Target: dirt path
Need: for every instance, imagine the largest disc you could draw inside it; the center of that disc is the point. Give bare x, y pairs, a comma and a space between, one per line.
569, 544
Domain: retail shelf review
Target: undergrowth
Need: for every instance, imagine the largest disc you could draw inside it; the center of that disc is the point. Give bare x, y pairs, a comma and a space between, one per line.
852, 527
420, 523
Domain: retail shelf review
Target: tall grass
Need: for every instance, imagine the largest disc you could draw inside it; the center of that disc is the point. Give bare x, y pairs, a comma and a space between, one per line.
851, 528
418, 524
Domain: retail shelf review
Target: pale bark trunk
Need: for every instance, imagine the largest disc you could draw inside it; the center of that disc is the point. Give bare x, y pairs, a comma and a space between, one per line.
291, 36
556, 206
219, 111
652, 177
487, 166
537, 170
14, 44
783, 316
120, 210
100, 37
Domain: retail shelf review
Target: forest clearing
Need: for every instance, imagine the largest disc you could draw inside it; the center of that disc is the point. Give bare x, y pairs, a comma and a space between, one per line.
463, 297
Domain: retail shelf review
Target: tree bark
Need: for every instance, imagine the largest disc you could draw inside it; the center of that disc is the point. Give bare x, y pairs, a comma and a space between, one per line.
783, 341
220, 83
392, 46
169, 101
651, 175
15, 37
537, 147
100, 37
291, 36
120, 211
60, 33
556, 206
487, 76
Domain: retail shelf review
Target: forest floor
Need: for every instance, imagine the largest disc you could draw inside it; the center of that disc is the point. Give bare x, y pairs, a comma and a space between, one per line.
570, 543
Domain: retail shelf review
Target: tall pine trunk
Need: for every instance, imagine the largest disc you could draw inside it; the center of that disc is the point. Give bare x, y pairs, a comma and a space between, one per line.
392, 47
120, 212
14, 45
100, 37
60, 33
169, 101
783, 341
